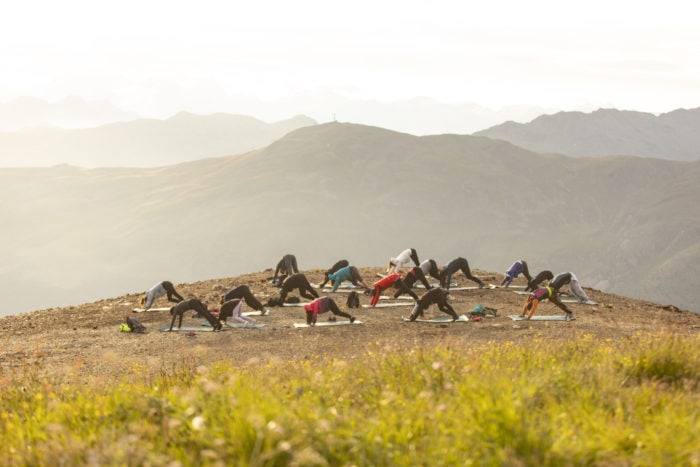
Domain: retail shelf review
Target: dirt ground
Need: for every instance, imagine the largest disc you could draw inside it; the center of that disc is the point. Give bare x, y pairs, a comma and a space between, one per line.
86, 340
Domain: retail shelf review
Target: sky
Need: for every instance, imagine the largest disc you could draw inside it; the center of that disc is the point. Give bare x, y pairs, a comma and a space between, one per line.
154, 57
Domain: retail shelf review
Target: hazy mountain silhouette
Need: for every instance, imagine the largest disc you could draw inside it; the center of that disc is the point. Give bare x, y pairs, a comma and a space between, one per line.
626, 225
674, 135
144, 142
69, 112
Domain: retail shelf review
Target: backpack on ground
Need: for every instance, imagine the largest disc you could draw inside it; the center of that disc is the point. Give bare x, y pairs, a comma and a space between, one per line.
481, 310
353, 300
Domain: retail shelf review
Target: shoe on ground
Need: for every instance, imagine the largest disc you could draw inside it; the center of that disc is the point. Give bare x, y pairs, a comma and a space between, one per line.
570, 317
352, 319
263, 312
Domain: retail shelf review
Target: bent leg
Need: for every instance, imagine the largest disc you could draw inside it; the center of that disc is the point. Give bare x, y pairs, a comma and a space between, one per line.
399, 284
337, 311
467, 272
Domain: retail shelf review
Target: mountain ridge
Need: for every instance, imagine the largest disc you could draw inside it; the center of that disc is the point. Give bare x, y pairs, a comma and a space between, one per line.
340, 189
674, 135
145, 142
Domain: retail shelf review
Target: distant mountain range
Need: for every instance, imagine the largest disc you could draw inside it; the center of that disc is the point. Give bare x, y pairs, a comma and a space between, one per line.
69, 112
418, 116
143, 142
625, 225
674, 135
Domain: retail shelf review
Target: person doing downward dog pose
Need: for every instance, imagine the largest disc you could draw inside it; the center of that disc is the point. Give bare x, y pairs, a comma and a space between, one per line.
517, 268
286, 267
389, 281
453, 266
430, 268
158, 290
335, 268
199, 308
395, 264
233, 309
322, 305
436, 296
569, 278
544, 293
243, 291
297, 281
414, 274
348, 273
539, 278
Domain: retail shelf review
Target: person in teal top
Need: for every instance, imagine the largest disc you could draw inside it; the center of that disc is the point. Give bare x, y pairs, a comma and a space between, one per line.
348, 273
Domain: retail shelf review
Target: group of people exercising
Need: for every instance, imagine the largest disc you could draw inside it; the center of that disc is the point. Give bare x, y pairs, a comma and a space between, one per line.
288, 278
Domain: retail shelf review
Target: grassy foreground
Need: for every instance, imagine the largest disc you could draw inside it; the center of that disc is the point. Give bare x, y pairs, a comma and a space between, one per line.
589, 401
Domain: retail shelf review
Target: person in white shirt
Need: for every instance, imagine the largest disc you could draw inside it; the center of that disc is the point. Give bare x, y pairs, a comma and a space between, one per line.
157, 291
407, 255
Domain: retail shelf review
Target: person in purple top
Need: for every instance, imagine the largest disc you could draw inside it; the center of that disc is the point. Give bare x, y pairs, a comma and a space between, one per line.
517, 268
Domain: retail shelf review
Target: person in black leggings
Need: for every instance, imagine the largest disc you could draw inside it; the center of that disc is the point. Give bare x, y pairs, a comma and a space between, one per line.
343, 263
297, 281
454, 266
199, 308
538, 279
243, 291
436, 296
413, 275
286, 267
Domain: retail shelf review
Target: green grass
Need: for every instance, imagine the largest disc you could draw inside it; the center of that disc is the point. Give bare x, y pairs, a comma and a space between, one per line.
584, 402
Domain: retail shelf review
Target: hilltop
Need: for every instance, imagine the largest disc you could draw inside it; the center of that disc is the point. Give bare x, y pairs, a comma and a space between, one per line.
85, 340
626, 225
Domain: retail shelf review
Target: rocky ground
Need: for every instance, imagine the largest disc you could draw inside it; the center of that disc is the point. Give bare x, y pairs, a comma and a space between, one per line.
86, 340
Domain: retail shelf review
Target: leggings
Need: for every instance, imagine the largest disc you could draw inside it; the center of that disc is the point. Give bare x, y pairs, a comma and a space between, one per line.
233, 309
243, 291
335, 268
399, 284
305, 291
454, 266
410, 279
332, 307
170, 290
539, 278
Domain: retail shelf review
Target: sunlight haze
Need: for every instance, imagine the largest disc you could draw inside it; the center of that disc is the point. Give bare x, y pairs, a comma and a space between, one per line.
158, 57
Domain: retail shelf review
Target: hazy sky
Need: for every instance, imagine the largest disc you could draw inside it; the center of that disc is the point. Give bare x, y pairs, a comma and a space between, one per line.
147, 55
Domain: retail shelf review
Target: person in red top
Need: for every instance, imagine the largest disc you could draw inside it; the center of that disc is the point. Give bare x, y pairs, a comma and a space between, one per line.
323, 305
390, 280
